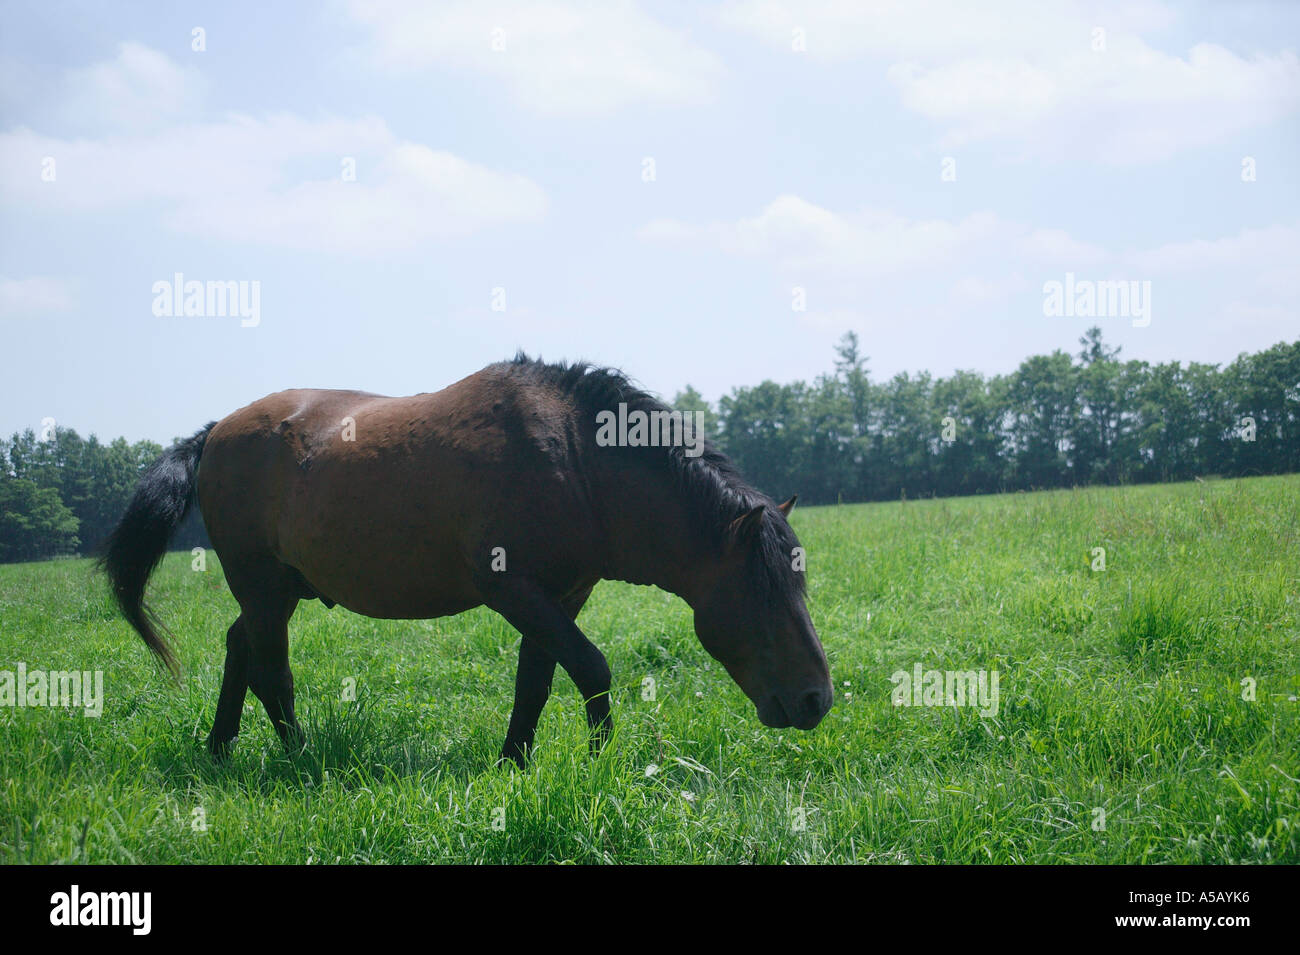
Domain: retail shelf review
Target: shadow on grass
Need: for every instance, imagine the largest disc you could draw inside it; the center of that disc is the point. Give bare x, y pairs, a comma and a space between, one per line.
350, 744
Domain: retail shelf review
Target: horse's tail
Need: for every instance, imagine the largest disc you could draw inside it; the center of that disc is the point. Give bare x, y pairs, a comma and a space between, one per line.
162, 498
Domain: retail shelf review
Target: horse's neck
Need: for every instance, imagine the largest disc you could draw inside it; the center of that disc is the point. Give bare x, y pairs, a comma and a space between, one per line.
651, 539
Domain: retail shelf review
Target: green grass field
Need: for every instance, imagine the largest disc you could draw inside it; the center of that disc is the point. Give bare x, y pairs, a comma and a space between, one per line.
1120, 690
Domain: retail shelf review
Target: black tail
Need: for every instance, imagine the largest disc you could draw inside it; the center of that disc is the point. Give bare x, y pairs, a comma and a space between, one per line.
162, 499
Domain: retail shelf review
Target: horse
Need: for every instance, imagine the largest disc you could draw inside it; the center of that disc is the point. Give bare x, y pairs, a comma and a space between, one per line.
505, 489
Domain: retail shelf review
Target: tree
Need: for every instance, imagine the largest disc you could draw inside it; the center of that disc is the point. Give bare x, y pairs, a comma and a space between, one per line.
1096, 427
691, 401
973, 460
1042, 398
34, 524
851, 369
766, 433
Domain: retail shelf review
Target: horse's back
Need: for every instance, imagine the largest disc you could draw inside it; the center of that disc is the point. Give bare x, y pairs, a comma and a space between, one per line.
389, 506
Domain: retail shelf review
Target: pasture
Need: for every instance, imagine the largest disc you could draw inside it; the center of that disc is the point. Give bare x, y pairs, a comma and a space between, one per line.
1121, 692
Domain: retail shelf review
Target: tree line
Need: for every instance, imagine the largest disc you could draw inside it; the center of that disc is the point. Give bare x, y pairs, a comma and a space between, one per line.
1058, 420
61, 494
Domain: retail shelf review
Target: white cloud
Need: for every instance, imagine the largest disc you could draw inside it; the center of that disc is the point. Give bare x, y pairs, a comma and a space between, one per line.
35, 295
1057, 245
1028, 72
1262, 261
800, 237
864, 260
276, 180
931, 30
560, 57
139, 89
1247, 317
974, 290
1273, 246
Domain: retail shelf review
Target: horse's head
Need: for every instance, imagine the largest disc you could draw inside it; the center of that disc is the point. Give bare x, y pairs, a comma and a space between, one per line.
752, 619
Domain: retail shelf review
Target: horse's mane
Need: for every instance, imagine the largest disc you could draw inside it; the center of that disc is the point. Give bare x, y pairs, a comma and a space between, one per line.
715, 491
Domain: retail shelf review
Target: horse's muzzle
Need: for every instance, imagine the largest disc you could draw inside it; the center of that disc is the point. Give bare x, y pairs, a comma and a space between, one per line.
804, 712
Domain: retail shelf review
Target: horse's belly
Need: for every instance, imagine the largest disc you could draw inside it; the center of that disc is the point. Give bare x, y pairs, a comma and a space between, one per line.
383, 592
379, 569
375, 605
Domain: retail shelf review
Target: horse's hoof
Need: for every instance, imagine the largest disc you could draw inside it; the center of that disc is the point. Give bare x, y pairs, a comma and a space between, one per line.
515, 756
220, 751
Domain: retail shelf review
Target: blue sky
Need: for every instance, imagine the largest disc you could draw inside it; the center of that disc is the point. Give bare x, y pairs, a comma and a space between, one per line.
503, 145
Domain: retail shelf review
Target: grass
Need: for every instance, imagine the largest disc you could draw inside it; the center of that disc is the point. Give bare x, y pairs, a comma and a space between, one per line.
1124, 691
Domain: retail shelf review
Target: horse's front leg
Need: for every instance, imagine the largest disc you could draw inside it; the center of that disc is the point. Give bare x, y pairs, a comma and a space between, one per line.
548, 626
532, 689
533, 686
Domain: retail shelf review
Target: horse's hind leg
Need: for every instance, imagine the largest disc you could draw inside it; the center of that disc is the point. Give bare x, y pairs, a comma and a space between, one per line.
269, 675
267, 595
234, 687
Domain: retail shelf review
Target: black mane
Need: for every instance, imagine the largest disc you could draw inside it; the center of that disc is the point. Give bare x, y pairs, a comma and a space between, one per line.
715, 491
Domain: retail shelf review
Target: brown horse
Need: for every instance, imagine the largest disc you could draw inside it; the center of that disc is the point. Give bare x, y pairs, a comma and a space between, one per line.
503, 489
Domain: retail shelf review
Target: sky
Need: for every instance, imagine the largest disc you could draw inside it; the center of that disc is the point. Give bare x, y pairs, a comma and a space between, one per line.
704, 194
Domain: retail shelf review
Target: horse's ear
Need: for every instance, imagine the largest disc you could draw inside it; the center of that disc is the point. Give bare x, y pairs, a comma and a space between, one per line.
744, 529
788, 506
